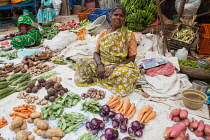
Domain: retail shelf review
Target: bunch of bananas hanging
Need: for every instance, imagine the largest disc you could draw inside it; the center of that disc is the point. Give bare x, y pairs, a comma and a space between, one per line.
140, 13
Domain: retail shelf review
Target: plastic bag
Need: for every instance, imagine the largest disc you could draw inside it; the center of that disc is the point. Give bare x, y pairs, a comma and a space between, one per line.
57, 6
181, 54
60, 41
190, 7
23, 52
165, 69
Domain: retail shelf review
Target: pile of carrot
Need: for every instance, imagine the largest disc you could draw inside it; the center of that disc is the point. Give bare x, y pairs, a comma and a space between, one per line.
23, 111
3, 122
81, 34
146, 113
123, 106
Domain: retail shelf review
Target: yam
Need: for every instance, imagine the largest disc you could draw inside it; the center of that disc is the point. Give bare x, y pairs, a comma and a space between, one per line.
54, 132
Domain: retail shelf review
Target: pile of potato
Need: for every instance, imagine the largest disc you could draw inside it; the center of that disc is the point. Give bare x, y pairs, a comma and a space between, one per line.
18, 124
35, 115
23, 135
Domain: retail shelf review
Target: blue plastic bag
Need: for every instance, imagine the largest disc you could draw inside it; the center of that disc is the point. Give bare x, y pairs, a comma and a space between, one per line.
23, 52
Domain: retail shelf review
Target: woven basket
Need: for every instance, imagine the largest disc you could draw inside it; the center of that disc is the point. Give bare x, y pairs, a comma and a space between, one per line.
195, 72
4, 3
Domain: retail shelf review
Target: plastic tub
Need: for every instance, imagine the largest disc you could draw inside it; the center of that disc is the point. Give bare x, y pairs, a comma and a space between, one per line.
193, 99
104, 25
200, 85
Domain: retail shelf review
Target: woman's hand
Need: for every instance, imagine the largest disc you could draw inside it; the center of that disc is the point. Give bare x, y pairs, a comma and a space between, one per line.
101, 71
12, 35
108, 72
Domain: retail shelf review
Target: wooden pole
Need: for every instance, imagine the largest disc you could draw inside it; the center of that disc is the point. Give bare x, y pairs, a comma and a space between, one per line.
181, 9
163, 28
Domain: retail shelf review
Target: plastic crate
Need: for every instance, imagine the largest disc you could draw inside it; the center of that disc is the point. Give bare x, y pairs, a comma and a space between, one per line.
84, 15
93, 15
204, 40
178, 44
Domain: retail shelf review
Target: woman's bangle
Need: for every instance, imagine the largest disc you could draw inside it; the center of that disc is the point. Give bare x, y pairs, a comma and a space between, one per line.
99, 63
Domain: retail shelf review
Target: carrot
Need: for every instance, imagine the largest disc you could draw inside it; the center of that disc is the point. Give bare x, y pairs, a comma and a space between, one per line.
125, 104
113, 99
30, 110
146, 114
130, 109
114, 104
127, 109
23, 116
110, 98
13, 114
132, 113
151, 116
142, 111
115, 109
2, 125
120, 105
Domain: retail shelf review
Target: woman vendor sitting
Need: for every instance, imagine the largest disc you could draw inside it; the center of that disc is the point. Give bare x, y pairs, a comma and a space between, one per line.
113, 65
28, 34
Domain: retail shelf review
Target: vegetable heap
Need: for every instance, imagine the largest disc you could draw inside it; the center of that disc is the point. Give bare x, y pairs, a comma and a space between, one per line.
92, 106
9, 56
190, 63
68, 99
50, 32
53, 111
185, 35
86, 136
70, 121
23, 111
69, 25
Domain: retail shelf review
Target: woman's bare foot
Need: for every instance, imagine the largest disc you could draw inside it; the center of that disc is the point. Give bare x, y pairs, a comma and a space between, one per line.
89, 80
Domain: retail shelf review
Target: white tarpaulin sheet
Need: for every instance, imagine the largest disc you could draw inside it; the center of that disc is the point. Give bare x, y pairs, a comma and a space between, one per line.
153, 130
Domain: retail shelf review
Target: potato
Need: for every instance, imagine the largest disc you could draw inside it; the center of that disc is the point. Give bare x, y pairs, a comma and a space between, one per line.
17, 122
23, 126
35, 115
31, 137
39, 132
44, 102
43, 134
54, 132
56, 138
11, 128
41, 124
35, 129
21, 135
17, 129
29, 132
41, 117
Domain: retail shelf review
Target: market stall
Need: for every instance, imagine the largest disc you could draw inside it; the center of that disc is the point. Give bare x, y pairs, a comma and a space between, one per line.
40, 99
